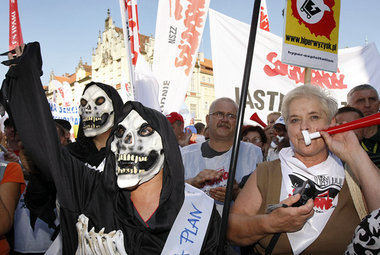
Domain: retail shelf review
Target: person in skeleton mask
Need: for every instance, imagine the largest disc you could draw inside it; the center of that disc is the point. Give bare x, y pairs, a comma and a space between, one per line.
100, 106
99, 109
136, 205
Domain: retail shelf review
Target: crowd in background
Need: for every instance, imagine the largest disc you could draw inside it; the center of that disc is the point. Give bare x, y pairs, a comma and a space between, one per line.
274, 163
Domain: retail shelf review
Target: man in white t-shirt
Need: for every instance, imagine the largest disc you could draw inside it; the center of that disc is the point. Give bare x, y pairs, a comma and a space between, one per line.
207, 164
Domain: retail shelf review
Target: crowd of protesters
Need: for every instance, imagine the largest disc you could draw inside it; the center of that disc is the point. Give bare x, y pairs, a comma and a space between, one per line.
123, 178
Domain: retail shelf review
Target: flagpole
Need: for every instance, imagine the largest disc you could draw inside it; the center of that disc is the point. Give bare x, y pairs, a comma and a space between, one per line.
127, 44
239, 124
307, 79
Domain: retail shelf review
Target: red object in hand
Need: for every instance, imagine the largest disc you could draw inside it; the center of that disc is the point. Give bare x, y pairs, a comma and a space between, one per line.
257, 119
370, 120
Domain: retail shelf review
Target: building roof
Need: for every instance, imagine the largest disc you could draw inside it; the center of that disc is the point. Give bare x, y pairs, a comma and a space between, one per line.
206, 66
70, 78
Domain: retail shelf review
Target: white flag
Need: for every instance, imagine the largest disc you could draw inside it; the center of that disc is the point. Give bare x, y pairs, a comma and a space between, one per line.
64, 92
179, 30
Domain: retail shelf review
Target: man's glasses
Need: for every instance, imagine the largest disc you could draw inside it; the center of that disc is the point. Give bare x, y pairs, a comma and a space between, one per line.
220, 115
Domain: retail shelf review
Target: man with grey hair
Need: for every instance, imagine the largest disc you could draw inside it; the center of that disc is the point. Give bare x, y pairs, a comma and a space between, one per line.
207, 164
366, 99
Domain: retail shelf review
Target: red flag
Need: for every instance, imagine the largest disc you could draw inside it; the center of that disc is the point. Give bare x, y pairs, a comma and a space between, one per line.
133, 24
15, 34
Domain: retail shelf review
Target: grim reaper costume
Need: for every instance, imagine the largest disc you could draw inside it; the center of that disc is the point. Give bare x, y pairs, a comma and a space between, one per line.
96, 195
84, 148
97, 117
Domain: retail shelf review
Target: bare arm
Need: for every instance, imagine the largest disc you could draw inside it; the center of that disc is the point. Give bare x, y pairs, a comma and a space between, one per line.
246, 226
347, 147
203, 177
9, 196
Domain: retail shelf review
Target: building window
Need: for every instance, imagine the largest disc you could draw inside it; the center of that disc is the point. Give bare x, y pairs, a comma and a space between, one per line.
193, 110
205, 105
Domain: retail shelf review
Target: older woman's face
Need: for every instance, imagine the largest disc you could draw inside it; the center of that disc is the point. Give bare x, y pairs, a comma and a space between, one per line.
306, 113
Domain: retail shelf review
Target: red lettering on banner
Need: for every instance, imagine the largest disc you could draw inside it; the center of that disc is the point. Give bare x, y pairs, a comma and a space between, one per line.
194, 19
61, 92
295, 73
264, 22
178, 10
133, 30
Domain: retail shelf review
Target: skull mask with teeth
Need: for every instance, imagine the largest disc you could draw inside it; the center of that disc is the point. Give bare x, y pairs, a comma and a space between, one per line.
96, 111
138, 151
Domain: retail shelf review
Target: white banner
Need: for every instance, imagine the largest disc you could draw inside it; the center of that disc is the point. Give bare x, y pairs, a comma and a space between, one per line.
71, 114
271, 79
127, 43
64, 92
179, 30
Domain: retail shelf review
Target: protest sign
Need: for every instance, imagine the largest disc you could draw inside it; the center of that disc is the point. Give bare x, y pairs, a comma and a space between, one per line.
311, 34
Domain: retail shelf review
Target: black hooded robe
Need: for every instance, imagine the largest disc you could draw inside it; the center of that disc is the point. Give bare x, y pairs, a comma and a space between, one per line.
81, 190
40, 197
84, 147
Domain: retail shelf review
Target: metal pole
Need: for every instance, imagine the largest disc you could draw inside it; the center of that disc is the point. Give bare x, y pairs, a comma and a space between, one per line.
239, 124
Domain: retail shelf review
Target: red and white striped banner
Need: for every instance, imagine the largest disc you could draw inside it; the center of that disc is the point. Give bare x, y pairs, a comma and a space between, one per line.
133, 25
15, 34
129, 18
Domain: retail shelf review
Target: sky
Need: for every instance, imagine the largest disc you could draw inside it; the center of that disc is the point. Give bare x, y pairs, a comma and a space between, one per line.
68, 30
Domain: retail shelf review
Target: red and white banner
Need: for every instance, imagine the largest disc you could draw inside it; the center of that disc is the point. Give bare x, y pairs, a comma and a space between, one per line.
270, 78
133, 25
64, 92
179, 30
15, 34
129, 18
126, 91
264, 20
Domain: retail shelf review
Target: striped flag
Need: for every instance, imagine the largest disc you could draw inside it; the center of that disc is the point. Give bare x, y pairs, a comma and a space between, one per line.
133, 24
15, 34
128, 9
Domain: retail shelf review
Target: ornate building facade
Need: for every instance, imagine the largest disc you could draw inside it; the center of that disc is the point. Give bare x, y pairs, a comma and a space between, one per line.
109, 65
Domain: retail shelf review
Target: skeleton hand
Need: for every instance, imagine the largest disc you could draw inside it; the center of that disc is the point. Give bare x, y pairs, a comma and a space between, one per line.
98, 243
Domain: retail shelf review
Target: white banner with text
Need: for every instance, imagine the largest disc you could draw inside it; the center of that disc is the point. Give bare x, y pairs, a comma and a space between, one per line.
179, 30
271, 79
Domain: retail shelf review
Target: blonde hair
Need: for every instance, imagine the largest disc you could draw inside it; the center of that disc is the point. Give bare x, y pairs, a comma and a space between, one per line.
327, 101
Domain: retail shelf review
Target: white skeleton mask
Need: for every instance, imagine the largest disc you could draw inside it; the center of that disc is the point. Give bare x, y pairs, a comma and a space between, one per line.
96, 110
138, 151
